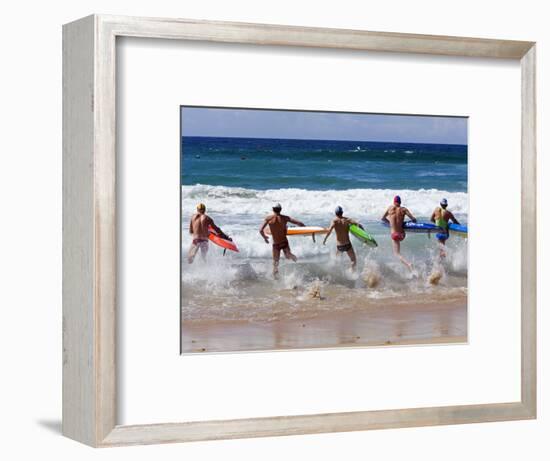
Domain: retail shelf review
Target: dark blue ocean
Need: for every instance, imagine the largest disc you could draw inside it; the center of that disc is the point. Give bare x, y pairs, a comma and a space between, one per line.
323, 165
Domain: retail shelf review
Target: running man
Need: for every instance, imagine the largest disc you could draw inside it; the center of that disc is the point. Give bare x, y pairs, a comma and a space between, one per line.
198, 227
340, 225
441, 217
277, 223
395, 216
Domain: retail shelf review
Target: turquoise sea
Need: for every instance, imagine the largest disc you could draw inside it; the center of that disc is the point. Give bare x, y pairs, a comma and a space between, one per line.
261, 164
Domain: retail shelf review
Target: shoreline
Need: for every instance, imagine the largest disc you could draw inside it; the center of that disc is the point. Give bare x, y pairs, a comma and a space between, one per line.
444, 321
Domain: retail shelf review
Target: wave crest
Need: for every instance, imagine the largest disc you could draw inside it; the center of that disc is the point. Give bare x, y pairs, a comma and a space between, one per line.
360, 203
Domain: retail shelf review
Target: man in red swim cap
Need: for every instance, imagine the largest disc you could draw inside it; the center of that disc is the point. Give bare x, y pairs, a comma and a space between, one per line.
395, 216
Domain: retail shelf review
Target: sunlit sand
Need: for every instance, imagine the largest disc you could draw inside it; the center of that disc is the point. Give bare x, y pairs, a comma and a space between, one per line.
376, 325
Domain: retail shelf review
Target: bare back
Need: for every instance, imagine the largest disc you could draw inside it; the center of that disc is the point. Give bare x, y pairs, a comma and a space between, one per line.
341, 227
277, 226
199, 226
396, 217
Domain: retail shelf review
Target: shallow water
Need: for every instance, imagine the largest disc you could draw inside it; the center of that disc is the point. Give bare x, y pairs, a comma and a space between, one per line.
241, 285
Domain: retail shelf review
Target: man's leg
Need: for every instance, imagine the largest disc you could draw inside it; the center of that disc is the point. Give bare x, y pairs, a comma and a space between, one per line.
442, 252
204, 250
289, 255
396, 248
352, 257
192, 253
276, 256
441, 240
397, 251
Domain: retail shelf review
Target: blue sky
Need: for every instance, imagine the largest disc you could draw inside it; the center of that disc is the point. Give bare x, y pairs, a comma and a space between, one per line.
250, 123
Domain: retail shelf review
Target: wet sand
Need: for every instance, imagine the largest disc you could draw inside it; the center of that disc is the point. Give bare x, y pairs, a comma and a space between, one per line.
380, 325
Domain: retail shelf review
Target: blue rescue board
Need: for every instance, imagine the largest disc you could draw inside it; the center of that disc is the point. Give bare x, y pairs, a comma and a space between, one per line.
458, 229
418, 227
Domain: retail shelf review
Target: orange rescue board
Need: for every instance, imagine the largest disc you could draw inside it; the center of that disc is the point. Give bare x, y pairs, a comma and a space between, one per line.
306, 230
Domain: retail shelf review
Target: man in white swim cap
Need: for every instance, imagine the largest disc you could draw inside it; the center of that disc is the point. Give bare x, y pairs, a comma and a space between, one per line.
441, 217
277, 223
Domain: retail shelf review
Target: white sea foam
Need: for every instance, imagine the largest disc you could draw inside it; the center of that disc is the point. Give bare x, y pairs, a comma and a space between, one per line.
366, 203
240, 285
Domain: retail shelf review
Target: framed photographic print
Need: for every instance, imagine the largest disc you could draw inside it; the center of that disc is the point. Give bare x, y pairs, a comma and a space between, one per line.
274, 230
344, 174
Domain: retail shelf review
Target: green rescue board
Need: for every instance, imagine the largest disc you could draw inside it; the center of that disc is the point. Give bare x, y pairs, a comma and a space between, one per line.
365, 237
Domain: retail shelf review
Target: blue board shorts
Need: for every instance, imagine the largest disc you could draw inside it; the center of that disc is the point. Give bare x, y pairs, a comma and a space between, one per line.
442, 237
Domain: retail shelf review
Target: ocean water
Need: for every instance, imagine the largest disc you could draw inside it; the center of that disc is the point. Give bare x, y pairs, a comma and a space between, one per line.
239, 180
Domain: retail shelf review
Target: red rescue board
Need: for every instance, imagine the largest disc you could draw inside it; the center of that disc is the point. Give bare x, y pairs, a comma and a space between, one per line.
217, 239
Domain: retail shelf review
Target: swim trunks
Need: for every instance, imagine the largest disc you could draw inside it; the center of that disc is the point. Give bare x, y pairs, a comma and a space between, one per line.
441, 236
201, 243
344, 248
398, 236
281, 246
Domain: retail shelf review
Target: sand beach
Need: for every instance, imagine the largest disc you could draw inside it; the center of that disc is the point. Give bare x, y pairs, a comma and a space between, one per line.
401, 323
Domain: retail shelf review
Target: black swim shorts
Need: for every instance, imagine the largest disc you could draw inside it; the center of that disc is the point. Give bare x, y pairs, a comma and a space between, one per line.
344, 248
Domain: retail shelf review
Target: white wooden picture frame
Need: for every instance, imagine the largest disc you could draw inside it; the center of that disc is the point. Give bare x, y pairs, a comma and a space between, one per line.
89, 230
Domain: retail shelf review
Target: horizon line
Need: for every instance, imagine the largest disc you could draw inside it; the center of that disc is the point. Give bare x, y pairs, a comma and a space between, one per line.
320, 139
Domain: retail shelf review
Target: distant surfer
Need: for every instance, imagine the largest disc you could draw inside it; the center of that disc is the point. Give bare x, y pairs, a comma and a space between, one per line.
340, 225
198, 227
395, 216
441, 217
277, 223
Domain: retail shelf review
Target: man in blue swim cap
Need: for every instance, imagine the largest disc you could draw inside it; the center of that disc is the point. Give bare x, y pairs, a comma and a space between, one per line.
441, 217
340, 225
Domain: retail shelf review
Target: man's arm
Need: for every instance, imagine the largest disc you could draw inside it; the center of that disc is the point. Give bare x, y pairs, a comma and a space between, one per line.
262, 233
191, 226
452, 218
295, 221
385, 217
330, 229
218, 231
221, 233
432, 219
353, 221
409, 214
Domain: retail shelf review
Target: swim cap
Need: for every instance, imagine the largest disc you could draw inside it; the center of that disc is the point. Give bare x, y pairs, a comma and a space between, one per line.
397, 199
201, 207
443, 202
277, 206
339, 210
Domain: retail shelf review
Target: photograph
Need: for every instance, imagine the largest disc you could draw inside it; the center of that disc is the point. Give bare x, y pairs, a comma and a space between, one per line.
316, 229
